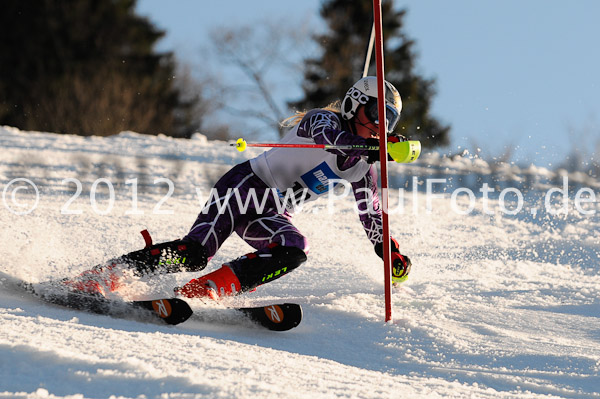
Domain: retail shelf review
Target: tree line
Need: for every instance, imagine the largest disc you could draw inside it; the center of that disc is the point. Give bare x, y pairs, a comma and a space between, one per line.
90, 67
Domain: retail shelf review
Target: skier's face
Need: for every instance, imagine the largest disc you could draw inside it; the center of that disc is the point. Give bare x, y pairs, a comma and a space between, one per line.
364, 127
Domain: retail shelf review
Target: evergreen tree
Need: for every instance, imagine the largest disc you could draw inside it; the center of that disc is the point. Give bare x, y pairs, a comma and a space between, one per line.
86, 67
326, 79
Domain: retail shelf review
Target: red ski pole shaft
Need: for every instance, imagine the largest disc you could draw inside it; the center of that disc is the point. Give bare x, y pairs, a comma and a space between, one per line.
241, 145
281, 145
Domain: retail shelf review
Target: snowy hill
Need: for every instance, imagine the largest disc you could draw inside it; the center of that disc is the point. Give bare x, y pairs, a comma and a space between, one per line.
497, 305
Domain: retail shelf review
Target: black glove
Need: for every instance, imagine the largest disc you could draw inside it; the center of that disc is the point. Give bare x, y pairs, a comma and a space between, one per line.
373, 155
400, 264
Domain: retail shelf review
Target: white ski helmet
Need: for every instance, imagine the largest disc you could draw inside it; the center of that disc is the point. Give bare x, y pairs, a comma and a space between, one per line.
364, 92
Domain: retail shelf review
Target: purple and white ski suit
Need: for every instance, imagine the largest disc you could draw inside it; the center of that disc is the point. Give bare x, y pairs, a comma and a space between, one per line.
249, 198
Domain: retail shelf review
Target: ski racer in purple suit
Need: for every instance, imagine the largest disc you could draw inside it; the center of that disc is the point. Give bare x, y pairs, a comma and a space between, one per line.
281, 175
307, 174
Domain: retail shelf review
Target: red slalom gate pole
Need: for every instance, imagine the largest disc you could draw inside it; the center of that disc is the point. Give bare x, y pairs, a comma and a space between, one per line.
383, 159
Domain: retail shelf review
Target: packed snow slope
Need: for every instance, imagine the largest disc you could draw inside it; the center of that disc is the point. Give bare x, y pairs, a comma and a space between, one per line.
497, 305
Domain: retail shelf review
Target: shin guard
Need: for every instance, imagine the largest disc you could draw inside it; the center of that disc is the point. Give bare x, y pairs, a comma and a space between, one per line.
266, 265
168, 257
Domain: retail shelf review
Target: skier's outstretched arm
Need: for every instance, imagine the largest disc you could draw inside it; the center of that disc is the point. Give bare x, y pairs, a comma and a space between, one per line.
324, 127
367, 200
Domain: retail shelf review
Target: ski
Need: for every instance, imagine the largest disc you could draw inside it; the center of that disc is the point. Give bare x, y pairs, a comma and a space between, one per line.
274, 317
168, 310
165, 310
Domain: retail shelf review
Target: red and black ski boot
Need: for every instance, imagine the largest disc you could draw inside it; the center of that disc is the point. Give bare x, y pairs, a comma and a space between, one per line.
221, 282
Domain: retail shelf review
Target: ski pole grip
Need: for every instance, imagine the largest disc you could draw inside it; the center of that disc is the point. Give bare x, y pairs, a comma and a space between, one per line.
404, 151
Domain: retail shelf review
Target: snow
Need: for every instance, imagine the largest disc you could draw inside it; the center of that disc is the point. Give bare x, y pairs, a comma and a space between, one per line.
497, 305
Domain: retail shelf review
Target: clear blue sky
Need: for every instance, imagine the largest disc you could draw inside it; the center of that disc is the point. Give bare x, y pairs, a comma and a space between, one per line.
514, 73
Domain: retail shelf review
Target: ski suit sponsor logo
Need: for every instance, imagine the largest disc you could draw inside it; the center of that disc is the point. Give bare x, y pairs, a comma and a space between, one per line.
162, 308
317, 179
274, 313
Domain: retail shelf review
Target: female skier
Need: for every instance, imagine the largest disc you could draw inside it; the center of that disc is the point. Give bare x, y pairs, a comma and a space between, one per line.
294, 174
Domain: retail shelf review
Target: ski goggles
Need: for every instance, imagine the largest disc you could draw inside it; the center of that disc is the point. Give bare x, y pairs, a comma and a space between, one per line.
391, 115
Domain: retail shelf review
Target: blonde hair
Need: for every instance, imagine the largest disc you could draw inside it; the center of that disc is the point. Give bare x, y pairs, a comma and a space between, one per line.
297, 117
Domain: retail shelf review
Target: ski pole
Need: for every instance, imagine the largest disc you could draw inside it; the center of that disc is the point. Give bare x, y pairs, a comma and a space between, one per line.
404, 151
241, 145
